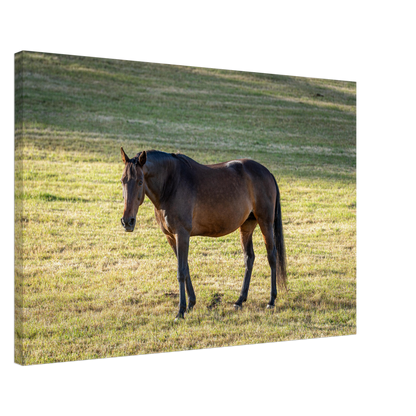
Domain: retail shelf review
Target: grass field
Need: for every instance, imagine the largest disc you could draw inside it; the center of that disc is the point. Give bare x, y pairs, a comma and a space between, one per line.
86, 289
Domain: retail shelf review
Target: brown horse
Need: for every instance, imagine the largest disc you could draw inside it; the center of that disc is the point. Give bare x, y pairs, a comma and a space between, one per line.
207, 200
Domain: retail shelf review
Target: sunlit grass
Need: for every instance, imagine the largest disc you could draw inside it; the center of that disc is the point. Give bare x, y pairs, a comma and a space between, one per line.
91, 290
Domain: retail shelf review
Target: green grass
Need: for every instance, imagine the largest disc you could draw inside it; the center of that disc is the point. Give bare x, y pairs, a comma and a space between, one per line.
86, 289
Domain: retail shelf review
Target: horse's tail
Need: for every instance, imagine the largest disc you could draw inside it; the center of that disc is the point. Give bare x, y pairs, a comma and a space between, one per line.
280, 243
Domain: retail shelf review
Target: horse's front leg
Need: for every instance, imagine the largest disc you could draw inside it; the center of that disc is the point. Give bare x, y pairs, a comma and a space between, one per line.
182, 248
188, 284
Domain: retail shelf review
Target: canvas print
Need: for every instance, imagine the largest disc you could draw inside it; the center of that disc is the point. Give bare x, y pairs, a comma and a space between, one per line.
165, 208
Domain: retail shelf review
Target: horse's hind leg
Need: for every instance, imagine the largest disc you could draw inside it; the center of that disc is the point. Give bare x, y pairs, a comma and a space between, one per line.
246, 237
268, 236
188, 284
189, 290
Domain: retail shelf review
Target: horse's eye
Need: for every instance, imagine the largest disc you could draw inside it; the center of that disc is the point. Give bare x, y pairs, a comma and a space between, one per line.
140, 183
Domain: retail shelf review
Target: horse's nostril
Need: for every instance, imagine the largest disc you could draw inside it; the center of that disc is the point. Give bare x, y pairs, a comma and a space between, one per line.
128, 224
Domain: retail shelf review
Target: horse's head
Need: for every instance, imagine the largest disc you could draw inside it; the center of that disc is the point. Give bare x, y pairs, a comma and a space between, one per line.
133, 188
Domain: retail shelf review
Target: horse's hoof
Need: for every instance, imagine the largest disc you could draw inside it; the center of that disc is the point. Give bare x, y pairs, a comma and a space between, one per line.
270, 306
237, 307
179, 317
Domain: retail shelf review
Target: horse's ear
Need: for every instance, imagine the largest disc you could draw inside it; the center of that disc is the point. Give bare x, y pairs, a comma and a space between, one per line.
142, 158
124, 156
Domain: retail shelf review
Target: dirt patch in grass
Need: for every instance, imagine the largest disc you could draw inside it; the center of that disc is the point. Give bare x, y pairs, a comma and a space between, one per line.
215, 301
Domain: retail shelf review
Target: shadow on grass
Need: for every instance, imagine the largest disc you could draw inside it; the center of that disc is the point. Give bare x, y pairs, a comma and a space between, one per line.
45, 196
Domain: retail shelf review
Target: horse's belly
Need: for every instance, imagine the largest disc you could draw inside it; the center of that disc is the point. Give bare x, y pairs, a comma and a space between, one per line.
217, 222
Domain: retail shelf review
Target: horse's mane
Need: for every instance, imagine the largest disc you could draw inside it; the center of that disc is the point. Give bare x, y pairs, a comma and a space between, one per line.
183, 158
162, 156
158, 156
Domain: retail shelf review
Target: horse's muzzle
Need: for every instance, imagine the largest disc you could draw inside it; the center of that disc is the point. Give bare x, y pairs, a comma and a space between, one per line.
129, 224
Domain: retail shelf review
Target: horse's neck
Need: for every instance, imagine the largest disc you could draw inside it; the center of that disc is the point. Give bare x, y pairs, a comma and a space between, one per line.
157, 172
